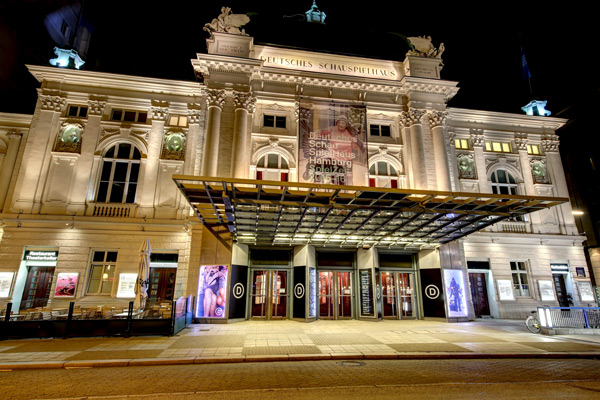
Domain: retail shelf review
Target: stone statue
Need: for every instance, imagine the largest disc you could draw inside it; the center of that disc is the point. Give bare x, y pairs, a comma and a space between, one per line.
422, 47
228, 23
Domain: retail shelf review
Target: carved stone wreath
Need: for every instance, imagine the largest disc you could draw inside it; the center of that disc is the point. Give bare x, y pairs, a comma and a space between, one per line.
539, 171
466, 166
174, 146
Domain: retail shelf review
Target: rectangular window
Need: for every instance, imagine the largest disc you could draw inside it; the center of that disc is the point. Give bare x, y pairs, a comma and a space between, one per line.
520, 278
77, 111
102, 272
498, 147
274, 121
178, 120
533, 149
380, 130
129, 116
462, 144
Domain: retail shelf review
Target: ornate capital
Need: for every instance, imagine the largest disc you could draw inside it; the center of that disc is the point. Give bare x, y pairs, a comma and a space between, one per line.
451, 135
215, 98
437, 118
521, 141
53, 103
550, 143
159, 113
96, 107
244, 100
415, 116
195, 116
14, 135
477, 138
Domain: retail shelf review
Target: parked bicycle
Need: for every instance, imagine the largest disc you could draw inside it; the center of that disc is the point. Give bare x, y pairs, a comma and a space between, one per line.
532, 323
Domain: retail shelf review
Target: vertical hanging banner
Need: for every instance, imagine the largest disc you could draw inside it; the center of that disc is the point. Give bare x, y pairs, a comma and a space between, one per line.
333, 143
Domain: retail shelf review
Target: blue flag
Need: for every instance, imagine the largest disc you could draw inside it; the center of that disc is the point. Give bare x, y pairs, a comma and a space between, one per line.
526, 72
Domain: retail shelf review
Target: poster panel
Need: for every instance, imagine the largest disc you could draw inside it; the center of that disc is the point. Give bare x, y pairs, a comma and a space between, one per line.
126, 288
455, 290
366, 293
333, 143
238, 292
299, 300
66, 284
432, 293
585, 291
212, 291
6, 279
546, 290
312, 290
505, 289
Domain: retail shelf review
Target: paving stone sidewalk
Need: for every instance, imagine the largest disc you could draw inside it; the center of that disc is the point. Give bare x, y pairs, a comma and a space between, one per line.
252, 341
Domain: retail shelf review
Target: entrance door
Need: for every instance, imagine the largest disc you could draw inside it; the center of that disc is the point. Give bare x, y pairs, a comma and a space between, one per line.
162, 284
561, 289
335, 295
479, 294
37, 287
269, 296
398, 295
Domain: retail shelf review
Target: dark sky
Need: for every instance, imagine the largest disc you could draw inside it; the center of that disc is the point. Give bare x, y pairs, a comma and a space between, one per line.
483, 42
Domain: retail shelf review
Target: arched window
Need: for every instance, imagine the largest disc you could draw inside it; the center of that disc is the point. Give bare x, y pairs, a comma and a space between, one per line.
383, 174
120, 172
503, 182
272, 167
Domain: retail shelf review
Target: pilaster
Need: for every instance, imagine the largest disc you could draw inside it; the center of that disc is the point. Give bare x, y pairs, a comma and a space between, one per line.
437, 121
215, 100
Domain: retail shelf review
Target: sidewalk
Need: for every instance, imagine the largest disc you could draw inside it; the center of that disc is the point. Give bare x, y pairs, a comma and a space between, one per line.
255, 341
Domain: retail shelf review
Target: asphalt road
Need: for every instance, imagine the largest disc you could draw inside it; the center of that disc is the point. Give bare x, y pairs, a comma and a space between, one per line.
439, 379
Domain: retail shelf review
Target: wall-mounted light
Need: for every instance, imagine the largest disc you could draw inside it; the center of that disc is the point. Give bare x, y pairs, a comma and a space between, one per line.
577, 212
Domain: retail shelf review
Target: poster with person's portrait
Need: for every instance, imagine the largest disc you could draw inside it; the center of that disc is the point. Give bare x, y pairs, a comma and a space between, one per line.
455, 293
333, 143
66, 284
212, 291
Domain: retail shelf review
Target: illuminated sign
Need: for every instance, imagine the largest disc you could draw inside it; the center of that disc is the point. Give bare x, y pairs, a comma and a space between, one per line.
66, 284
6, 279
546, 290
332, 64
212, 291
34, 255
126, 286
505, 289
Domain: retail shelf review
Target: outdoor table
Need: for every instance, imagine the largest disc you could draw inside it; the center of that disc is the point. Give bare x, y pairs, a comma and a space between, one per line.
125, 314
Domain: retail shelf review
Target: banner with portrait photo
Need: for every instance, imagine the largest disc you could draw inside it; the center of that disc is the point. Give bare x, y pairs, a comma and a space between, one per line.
212, 291
332, 143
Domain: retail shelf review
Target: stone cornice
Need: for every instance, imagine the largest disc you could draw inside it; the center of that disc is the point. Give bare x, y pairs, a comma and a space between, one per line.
514, 122
94, 80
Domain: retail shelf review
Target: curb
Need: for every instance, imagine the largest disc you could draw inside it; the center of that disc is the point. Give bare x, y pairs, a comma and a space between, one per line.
284, 358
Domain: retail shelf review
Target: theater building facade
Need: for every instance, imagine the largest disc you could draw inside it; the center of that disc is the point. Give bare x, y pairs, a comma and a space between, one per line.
285, 184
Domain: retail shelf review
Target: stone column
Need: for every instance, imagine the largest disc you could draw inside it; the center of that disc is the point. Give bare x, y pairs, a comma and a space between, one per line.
89, 141
244, 105
215, 99
150, 173
406, 146
437, 120
14, 141
557, 178
521, 144
192, 146
41, 139
478, 142
414, 120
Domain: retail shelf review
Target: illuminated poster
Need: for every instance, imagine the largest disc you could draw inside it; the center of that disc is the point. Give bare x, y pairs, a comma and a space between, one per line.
127, 284
455, 290
585, 291
546, 290
66, 284
212, 291
333, 143
6, 279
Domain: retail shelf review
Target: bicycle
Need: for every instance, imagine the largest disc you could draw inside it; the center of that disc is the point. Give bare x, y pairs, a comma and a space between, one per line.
533, 324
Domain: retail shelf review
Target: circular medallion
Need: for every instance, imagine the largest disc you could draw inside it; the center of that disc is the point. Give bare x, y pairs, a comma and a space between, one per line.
71, 134
432, 291
174, 142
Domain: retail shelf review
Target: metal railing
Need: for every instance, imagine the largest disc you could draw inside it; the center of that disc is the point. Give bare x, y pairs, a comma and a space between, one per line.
569, 317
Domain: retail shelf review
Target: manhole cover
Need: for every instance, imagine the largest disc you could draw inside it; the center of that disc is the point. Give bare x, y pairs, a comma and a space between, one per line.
351, 363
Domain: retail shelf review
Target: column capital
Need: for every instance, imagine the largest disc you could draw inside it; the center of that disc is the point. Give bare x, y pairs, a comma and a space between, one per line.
215, 98
195, 116
14, 135
52, 102
437, 118
245, 101
159, 113
412, 117
96, 107
477, 138
521, 141
550, 143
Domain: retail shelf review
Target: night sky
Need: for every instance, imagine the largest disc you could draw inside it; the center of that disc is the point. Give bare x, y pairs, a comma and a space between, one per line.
483, 42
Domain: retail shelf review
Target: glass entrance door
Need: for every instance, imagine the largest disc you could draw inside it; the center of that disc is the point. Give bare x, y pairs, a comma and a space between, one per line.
398, 295
335, 295
37, 287
269, 296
